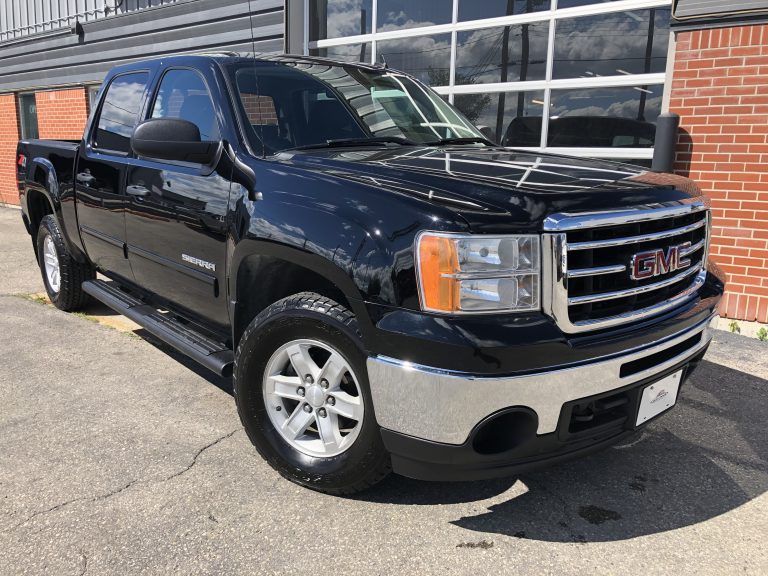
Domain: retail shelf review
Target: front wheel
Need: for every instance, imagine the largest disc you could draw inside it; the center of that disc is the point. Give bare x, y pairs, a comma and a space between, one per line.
302, 394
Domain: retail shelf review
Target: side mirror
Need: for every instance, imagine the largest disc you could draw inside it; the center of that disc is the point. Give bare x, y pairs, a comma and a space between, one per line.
172, 139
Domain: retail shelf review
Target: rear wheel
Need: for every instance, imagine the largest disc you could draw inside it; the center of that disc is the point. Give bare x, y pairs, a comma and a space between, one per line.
63, 276
302, 394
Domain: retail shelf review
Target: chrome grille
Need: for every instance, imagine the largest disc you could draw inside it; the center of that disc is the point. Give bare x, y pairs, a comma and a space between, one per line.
590, 267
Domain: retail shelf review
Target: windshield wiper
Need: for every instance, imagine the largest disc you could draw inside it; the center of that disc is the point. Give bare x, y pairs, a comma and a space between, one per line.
469, 140
373, 141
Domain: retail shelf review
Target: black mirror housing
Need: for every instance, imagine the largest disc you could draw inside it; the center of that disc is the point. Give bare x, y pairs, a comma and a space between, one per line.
172, 139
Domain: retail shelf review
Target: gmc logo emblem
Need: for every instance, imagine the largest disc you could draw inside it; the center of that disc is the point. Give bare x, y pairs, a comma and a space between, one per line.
646, 265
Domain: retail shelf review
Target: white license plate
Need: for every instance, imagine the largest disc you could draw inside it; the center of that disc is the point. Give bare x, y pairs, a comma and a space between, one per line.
658, 397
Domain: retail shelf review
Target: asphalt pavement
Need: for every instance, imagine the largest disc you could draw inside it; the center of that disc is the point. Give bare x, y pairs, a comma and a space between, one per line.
119, 457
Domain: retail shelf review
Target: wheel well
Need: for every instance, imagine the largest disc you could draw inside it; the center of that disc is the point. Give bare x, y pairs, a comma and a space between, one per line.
38, 207
263, 280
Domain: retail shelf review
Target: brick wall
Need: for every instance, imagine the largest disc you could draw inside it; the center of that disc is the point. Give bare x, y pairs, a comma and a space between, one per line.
62, 114
9, 135
720, 91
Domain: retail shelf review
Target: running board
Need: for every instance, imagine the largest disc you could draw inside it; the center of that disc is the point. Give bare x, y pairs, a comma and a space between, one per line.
211, 354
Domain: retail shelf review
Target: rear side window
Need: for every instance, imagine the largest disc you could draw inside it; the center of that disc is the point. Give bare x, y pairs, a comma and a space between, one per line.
119, 112
183, 94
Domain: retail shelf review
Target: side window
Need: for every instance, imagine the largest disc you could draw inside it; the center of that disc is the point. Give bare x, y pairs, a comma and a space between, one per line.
119, 112
183, 94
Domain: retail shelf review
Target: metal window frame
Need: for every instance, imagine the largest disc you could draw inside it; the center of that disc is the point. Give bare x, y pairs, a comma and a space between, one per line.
552, 16
23, 128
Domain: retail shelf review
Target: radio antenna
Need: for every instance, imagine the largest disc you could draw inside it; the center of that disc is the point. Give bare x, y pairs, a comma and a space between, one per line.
250, 25
255, 82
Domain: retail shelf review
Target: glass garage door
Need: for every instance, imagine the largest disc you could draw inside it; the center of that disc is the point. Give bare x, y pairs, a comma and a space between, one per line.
572, 76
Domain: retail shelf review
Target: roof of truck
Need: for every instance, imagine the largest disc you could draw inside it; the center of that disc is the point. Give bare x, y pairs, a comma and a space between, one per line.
280, 58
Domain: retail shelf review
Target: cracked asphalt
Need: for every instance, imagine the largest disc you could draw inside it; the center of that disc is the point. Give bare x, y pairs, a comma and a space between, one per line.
119, 457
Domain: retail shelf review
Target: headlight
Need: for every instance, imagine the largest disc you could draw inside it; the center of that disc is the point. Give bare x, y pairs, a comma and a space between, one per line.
463, 273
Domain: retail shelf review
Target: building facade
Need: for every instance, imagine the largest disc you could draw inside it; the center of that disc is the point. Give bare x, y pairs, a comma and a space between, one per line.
582, 77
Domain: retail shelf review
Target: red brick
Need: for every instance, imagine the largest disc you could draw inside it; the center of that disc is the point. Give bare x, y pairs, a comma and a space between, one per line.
9, 136
62, 114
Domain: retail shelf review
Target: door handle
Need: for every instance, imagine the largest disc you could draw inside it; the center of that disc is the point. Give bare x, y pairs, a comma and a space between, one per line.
137, 192
85, 179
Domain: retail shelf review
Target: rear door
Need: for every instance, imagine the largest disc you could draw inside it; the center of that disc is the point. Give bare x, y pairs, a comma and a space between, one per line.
100, 173
176, 225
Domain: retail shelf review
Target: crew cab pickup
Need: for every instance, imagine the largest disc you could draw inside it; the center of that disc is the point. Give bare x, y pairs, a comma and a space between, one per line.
389, 289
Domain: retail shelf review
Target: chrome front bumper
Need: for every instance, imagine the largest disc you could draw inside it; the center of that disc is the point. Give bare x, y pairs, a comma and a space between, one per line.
443, 406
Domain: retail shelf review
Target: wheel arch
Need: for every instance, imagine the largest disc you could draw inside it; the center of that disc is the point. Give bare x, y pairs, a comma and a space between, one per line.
289, 271
42, 193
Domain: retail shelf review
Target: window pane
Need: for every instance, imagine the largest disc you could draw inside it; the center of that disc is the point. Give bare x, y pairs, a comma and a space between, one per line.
184, 95
426, 57
612, 44
93, 96
476, 9
339, 18
28, 109
480, 54
400, 14
605, 117
347, 53
510, 118
260, 110
317, 102
120, 111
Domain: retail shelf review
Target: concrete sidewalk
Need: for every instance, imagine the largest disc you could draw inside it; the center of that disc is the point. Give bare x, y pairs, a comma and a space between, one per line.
117, 458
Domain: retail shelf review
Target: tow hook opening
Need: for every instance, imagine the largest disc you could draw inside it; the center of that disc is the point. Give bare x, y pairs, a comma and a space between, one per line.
505, 431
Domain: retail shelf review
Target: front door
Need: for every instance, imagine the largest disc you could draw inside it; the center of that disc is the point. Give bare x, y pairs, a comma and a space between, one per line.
176, 224
100, 174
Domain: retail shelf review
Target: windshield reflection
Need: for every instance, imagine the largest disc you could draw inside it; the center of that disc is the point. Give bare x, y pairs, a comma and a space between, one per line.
295, 104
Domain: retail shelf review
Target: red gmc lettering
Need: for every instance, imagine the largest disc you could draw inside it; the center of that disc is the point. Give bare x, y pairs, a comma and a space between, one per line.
646, 265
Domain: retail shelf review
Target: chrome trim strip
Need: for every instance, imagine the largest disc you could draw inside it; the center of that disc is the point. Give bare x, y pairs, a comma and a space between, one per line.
562, 222
597, 271
458, 401
637, 239
643, 313
632, 291
555, 273
693, 248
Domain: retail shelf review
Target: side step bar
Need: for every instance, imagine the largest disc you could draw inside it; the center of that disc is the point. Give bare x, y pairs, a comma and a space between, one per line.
213, 355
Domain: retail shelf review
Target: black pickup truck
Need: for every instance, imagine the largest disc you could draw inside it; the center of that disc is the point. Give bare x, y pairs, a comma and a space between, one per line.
389, 289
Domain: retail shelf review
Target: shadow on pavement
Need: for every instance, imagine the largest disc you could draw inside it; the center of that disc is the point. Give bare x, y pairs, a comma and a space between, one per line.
707, 457
221, 382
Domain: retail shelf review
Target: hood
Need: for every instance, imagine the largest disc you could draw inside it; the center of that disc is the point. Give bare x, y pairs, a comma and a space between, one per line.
480, 183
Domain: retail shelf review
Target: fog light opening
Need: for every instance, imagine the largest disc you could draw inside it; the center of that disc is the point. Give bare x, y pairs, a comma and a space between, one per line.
505, 431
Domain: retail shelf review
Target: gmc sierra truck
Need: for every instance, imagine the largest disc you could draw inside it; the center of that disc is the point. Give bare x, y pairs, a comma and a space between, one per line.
390, 290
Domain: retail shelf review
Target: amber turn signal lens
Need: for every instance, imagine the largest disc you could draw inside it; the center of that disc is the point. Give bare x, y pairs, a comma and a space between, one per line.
438, 262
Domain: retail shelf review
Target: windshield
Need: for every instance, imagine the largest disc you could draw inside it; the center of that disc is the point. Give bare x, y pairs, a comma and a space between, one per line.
297, 104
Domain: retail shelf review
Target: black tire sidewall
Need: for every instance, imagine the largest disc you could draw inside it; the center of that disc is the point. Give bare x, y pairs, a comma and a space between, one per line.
253, 354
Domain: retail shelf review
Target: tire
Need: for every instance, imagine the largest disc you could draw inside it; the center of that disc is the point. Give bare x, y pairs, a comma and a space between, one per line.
319, 325
64, 288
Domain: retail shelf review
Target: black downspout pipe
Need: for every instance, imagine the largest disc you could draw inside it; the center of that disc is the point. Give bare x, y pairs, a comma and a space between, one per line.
664, 145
